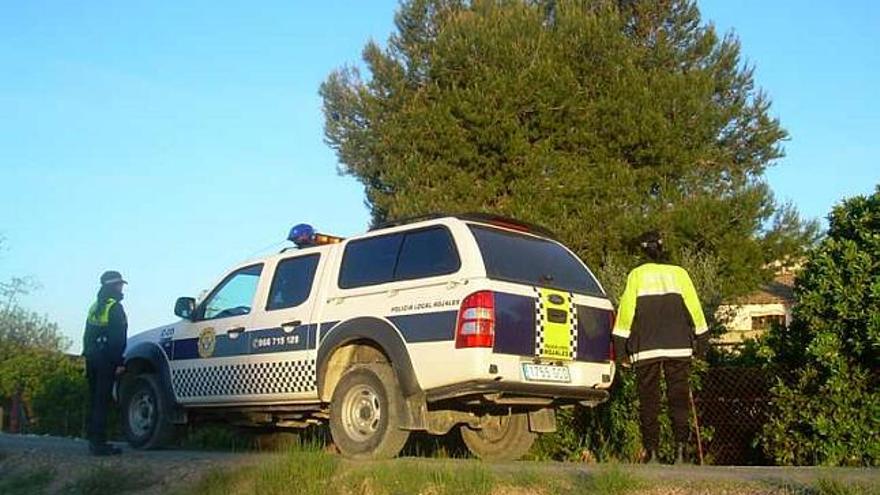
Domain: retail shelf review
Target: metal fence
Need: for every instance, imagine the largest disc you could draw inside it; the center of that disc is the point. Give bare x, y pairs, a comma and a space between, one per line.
734, 403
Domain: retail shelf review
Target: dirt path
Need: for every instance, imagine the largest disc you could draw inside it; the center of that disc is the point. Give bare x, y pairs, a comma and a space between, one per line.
173, 469
69, 460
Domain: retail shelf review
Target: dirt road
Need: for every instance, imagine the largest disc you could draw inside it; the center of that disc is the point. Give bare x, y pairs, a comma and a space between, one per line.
172, 469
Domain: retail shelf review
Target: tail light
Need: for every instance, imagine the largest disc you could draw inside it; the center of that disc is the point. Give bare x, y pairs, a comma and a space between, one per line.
476, 321
612, 317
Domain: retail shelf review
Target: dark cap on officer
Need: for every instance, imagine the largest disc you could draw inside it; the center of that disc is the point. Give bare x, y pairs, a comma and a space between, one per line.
112, 277
651, 243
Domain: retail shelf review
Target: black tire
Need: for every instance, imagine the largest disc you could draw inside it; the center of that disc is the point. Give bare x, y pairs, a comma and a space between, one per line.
502, 438
365, 413
145, 414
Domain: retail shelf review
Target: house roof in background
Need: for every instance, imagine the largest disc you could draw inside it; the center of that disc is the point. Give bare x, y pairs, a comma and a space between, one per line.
779, 291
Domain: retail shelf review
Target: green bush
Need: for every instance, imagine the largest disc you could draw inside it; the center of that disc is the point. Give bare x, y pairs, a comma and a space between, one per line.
827, 400
606, 432
59, 403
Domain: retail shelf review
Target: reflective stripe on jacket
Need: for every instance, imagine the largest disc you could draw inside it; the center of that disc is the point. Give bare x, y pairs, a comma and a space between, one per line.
97, 335
99, 316
659, 314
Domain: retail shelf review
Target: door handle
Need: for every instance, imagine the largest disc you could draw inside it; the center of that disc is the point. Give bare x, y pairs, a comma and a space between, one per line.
290, 325
234, 332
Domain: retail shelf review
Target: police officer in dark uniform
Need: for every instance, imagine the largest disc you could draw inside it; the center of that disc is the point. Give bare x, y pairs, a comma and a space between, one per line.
660, 326
103, 345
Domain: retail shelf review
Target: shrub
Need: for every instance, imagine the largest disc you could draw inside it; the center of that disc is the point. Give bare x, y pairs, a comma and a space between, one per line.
59, 403
827, 401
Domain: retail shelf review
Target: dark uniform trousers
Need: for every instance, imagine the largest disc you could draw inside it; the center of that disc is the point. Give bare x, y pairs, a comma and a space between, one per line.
100, 372
676, 373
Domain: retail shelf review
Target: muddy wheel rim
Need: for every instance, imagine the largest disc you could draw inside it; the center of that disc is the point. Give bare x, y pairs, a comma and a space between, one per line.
495, 429
142, 413
361, 412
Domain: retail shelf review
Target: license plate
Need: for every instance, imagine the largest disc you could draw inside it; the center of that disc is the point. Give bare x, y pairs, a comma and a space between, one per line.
546, 373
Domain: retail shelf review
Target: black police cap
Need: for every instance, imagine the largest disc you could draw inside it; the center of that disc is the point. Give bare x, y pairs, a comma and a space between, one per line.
112, 277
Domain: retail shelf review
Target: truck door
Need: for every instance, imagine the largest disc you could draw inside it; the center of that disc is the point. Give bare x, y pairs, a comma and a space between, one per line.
284, 341
206, 351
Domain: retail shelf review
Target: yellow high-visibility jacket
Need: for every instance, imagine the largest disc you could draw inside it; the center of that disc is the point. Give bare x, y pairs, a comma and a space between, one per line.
106, 331
659, 315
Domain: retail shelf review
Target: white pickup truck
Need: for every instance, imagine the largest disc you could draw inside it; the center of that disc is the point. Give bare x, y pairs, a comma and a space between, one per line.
472, 321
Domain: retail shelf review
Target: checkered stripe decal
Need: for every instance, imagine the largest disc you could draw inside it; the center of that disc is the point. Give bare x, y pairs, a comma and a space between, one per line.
539, 317
278, 377
573, 336
539, 328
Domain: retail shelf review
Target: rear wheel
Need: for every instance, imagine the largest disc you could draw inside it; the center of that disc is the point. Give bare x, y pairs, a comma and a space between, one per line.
365, 413
145, 415
502, 437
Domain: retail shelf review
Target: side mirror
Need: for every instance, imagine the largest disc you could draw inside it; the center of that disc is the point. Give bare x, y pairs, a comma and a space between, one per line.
185, 307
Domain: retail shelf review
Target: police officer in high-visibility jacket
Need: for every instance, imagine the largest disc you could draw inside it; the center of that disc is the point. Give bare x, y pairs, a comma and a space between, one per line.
103, 345
660, 325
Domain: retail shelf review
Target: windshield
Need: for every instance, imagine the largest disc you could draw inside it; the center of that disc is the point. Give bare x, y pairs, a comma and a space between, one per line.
533, 261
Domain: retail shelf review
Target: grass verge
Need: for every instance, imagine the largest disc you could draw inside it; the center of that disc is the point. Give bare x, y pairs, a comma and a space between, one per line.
827, 486
34, 482
310, 470
109, 480
610, 480
299, 471
390, 478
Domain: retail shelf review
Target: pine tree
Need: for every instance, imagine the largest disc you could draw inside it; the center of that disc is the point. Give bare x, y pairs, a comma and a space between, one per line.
597, 119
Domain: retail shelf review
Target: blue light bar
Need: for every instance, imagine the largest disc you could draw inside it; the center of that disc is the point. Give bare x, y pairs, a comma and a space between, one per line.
302, 235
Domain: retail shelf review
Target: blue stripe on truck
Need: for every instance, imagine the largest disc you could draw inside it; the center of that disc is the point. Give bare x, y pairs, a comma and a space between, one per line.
515, 328
426, 327
514, 324
417, 328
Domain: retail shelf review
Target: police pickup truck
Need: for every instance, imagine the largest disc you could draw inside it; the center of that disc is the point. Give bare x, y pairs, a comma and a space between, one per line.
474, 322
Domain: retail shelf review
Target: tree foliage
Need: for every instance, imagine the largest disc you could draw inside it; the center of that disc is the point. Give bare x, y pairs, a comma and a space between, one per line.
827, 400
30, 347
598, 119
34, 367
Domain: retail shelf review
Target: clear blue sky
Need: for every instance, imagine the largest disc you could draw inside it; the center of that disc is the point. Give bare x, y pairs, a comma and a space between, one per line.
170, 139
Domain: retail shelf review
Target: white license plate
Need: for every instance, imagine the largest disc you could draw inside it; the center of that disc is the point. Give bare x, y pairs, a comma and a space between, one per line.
546, 373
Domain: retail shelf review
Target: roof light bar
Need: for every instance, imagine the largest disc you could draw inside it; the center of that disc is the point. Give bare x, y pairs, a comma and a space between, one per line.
304, 235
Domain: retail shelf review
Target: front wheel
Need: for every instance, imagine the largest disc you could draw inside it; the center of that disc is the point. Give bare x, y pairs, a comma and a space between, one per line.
502, 437
145, 415
365, 413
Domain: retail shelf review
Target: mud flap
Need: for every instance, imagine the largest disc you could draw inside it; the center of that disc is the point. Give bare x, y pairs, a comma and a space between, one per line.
542, 420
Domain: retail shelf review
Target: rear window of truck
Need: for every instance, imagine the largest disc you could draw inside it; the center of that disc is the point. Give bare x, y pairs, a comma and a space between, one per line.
530, 260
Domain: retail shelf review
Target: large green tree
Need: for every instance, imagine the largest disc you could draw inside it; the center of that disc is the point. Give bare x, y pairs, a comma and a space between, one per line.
827, 400
598, 119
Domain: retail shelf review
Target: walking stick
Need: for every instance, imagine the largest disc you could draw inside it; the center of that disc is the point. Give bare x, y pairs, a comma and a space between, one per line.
696, 426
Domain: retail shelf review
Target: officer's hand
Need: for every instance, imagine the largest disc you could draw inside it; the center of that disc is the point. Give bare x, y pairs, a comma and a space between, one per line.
120, 370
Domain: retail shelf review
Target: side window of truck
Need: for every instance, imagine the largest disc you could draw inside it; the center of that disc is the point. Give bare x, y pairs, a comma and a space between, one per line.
369, 261
234, 296
292, 282
408, 255
427, 253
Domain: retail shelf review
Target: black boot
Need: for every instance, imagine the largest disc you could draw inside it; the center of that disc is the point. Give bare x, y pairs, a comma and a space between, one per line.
681, 454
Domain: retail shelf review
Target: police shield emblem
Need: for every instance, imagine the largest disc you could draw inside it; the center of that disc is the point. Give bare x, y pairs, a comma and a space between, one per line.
207, 341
